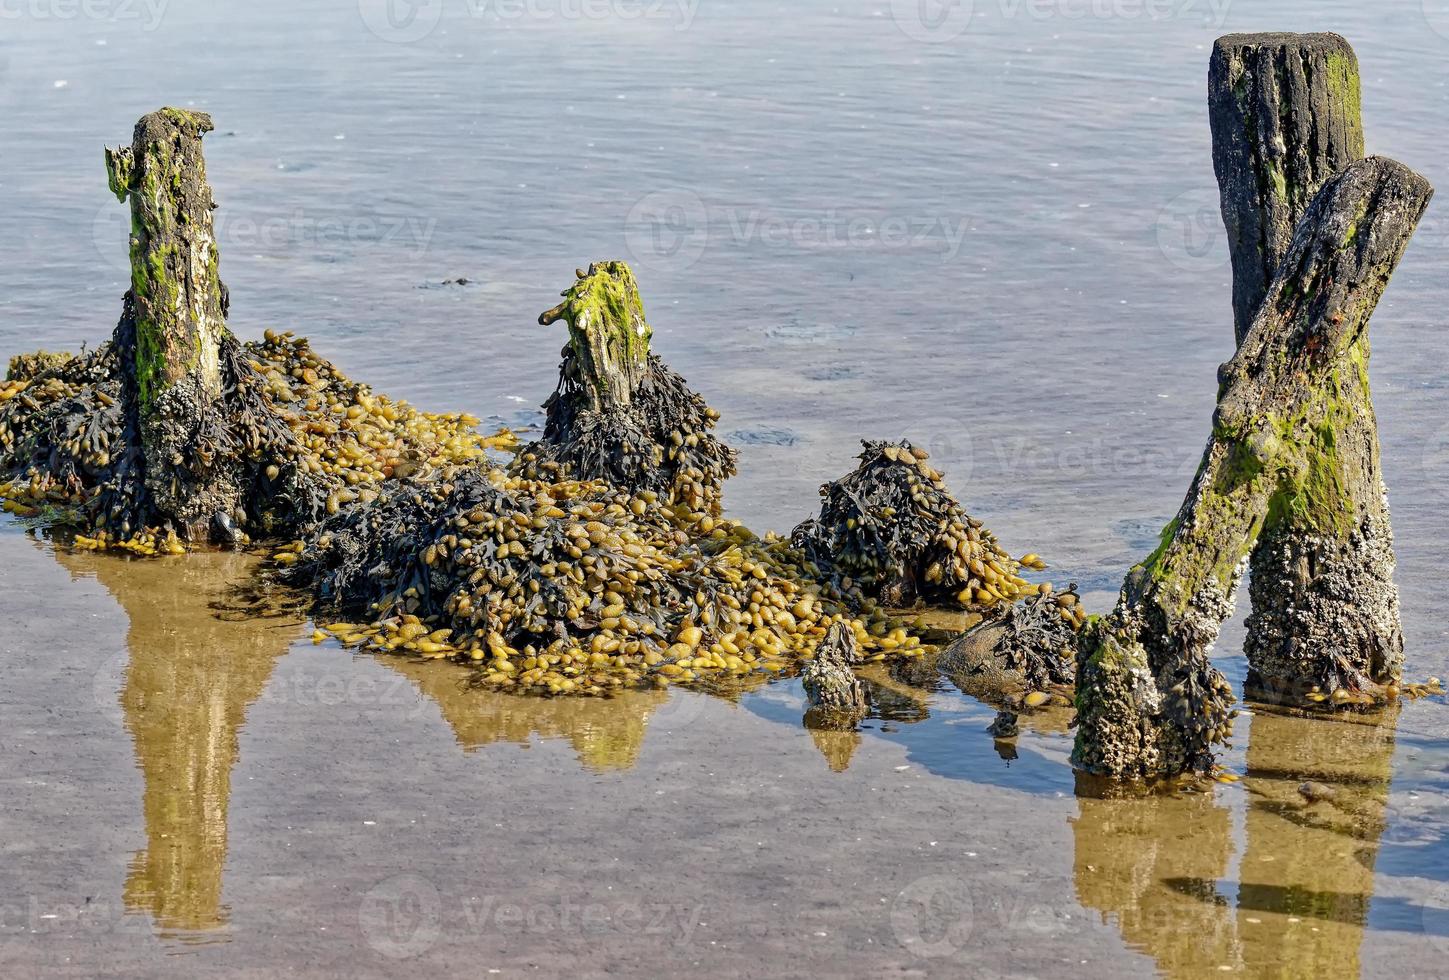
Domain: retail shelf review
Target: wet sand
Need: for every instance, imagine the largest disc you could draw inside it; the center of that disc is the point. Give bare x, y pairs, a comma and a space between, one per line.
183, 792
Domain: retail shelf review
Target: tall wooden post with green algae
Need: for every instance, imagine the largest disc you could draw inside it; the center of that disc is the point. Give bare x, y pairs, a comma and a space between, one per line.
1286, 117
177, 313
1149, 701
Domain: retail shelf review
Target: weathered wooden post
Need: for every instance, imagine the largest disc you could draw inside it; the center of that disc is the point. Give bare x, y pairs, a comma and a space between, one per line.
175, 320
1286, 117
1149, 701
608, 333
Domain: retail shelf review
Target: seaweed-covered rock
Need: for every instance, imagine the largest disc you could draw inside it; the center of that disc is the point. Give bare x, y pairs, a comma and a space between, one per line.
571, 587
892, 527
619, 413
1031, 647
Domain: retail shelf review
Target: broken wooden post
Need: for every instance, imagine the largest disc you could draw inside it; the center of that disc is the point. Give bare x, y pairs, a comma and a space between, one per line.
620, 414
1286, 117
175, 320
608, 333
1149, 702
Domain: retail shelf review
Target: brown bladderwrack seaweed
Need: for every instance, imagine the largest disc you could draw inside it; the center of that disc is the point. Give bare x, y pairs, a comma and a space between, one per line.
892, 527
174, 429
620, 414
1032, 647
573, 587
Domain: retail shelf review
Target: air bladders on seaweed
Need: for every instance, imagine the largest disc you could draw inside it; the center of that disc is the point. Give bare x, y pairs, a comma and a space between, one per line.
892, 527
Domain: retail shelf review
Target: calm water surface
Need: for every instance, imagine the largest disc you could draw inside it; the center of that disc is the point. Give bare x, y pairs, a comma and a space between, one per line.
1000, 241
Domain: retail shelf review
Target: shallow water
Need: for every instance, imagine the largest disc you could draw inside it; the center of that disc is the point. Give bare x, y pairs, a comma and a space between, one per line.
1001, 245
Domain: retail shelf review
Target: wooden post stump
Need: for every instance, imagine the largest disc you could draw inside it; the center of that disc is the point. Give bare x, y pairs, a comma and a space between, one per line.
1149, 701
1286, 117
174, 326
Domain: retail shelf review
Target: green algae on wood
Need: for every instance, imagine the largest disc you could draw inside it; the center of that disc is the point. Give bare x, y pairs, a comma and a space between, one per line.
619, 413
177, 308
1149, 701
1325, 609
608, 331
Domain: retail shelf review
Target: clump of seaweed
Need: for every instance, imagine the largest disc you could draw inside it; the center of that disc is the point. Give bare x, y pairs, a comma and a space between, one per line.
302, 439
174, 429
620, 414
893, 528
573, 587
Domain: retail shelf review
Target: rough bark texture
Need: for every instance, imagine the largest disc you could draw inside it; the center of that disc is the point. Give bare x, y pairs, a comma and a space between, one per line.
1285, 112
1149, 702
176, 311
608, 333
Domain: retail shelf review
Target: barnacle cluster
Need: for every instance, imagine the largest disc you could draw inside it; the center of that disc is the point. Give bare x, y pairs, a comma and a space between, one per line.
892, 528
574, 587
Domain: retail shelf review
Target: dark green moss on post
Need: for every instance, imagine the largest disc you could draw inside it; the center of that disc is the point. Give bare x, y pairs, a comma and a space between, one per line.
1149, 701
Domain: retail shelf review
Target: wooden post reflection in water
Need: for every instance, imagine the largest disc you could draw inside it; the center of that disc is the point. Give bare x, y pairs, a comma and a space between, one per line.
187, 687
1156, 866
1308, 872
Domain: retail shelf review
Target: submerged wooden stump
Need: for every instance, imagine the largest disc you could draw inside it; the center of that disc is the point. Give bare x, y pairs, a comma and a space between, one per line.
1286, 117
174, 324
1149, 701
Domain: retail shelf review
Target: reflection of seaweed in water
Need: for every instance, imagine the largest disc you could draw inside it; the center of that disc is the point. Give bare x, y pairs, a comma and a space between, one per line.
606, 733
190, 680
1154, 864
